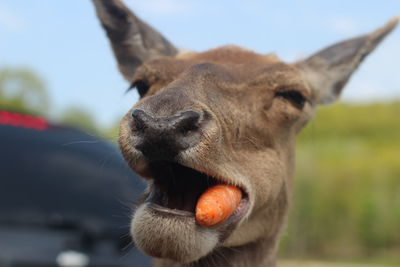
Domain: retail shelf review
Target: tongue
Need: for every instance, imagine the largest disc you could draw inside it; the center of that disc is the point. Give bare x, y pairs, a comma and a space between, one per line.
217, 204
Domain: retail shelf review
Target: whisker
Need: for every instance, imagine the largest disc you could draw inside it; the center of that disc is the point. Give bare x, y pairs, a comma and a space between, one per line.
81, 142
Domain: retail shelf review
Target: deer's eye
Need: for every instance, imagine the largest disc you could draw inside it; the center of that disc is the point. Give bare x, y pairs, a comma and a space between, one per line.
141, 86
293, 96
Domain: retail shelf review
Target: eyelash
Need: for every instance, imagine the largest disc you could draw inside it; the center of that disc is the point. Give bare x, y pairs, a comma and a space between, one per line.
141, 86
293, 96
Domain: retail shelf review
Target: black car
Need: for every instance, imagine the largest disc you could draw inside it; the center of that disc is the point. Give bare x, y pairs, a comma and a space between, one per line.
65, 197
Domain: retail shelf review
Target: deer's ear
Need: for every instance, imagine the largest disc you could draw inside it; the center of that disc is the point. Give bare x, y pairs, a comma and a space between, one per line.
328, 70
133, 41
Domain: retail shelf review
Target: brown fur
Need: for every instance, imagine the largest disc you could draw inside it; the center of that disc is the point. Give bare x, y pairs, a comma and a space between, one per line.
237, 88
249, 141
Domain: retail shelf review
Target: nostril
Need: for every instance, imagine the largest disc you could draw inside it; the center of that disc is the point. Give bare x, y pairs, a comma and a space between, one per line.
185, 123
161, 138
188, 121
140, 119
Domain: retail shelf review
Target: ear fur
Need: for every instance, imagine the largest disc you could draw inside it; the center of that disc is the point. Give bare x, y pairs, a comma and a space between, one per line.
328, 70
133, 41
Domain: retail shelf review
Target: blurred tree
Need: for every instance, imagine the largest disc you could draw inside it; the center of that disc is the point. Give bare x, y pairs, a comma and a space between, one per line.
346, 200
23, 90
112, 132
80, 118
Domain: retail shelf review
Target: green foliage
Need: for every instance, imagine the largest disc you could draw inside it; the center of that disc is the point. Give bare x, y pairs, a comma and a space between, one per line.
80, 118
112, 132
346, 201
22, 90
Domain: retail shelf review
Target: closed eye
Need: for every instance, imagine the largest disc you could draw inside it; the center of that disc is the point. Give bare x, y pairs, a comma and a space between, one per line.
296, 98
141, 86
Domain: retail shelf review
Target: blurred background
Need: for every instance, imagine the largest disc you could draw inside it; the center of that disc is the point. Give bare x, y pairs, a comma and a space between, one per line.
55, 62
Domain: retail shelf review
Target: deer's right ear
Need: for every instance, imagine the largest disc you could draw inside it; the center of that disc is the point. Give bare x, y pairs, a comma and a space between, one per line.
132, 40
327, 71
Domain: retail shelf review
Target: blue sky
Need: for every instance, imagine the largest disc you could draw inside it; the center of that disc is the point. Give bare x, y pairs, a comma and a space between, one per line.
62, 40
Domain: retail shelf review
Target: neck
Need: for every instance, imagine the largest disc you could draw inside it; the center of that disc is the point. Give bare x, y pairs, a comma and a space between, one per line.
260, 253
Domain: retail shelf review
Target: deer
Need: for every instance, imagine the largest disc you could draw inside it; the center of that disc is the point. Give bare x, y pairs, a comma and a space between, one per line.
224, 116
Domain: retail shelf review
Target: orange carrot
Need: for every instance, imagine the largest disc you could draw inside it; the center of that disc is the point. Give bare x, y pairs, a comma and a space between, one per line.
216, 204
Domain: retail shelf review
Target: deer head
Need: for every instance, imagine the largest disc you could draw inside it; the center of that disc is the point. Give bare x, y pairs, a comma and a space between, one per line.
227, 115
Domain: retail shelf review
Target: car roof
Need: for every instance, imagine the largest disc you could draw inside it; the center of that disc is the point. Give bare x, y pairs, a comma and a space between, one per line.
61, 176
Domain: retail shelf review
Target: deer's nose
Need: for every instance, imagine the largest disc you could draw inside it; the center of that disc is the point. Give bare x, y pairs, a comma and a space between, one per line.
162, 138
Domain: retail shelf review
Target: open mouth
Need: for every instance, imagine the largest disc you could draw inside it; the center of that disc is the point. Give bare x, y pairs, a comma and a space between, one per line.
176, 189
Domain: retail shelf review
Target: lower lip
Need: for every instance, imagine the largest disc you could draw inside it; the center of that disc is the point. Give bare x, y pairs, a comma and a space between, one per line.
235, 217
167, 211
238, 214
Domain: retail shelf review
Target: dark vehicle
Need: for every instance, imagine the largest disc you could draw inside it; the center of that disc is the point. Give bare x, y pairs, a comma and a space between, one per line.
65, 197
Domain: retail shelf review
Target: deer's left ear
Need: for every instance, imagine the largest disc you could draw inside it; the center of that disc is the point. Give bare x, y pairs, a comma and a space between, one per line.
327, 71
132, 40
